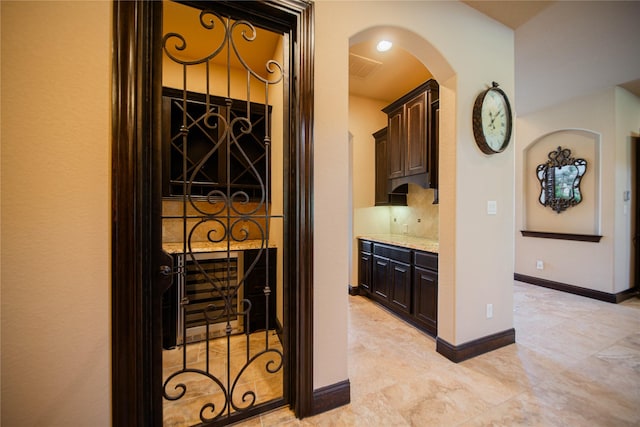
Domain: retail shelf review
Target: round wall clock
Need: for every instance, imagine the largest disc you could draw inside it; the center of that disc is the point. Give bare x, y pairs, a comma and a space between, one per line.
492, 120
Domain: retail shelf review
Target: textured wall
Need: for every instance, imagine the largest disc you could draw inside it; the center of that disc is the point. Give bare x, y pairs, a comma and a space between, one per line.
56, 100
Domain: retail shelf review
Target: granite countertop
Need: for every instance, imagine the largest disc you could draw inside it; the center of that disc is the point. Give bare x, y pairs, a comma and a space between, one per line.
411, 242
176, 247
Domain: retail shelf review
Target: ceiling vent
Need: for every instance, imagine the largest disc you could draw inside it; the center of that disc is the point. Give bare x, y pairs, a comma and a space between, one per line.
362, 67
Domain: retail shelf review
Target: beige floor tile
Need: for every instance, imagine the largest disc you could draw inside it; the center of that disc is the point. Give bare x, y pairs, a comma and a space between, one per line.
576, 362
526, 409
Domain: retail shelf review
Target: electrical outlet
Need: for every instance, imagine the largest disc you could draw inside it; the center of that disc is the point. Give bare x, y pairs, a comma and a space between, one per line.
539, 265
405, 228
489, 311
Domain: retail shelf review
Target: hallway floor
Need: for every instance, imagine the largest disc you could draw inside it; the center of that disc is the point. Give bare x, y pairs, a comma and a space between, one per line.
576, 363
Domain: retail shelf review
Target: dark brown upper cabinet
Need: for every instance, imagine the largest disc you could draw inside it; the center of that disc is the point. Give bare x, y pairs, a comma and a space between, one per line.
201, 160
383, 197
381, 169
411, 139
395, 143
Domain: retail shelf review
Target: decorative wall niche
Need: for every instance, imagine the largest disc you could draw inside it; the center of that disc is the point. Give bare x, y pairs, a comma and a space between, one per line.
583, 218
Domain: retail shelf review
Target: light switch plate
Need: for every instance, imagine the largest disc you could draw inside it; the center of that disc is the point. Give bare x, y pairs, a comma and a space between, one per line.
492, 207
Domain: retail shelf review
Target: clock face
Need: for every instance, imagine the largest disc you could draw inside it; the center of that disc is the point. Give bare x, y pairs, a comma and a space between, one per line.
492, 120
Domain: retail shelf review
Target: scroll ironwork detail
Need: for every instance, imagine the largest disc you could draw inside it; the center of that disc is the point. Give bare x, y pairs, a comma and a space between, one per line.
226, 214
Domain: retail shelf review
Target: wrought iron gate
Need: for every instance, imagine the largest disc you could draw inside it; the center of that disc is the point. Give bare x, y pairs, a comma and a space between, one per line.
223, 355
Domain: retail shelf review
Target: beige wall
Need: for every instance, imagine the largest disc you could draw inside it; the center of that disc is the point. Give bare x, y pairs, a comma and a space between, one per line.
55, 338
56, 100
476, 249
573, 48
365, 118
55, 191
612, 116
580, 92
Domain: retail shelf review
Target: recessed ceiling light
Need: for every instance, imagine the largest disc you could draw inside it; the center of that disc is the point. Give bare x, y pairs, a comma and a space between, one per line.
384, 45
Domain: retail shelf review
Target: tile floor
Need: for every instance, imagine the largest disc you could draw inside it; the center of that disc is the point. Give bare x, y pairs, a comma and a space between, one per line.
248, 366
576, 363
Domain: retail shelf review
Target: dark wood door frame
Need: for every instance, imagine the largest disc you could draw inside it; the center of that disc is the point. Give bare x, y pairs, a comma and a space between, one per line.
136, 206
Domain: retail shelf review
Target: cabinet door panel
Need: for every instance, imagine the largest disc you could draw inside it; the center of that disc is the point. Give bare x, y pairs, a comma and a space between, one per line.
416, 155
401, 286
381, 277
395, 141
382, 173
434, 147
364, 272
425, 298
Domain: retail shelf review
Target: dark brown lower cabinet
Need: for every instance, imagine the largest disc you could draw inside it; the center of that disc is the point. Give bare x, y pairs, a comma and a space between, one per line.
401, 286
425, 298
365, 267
403, 280
381, 278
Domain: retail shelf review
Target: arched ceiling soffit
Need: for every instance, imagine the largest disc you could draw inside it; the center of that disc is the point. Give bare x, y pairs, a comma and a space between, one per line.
429, 56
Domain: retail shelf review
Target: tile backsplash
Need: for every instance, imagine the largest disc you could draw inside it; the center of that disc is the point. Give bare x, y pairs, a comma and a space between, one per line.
419, 218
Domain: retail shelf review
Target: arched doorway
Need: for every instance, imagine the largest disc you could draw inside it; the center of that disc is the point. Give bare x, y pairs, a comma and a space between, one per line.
431, 64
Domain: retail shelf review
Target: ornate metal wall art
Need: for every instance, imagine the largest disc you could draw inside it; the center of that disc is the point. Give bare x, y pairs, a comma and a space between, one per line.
560, 180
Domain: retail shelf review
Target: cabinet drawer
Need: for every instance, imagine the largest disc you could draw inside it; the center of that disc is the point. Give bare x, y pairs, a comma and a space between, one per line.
426, 260
393, 252
365, 246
